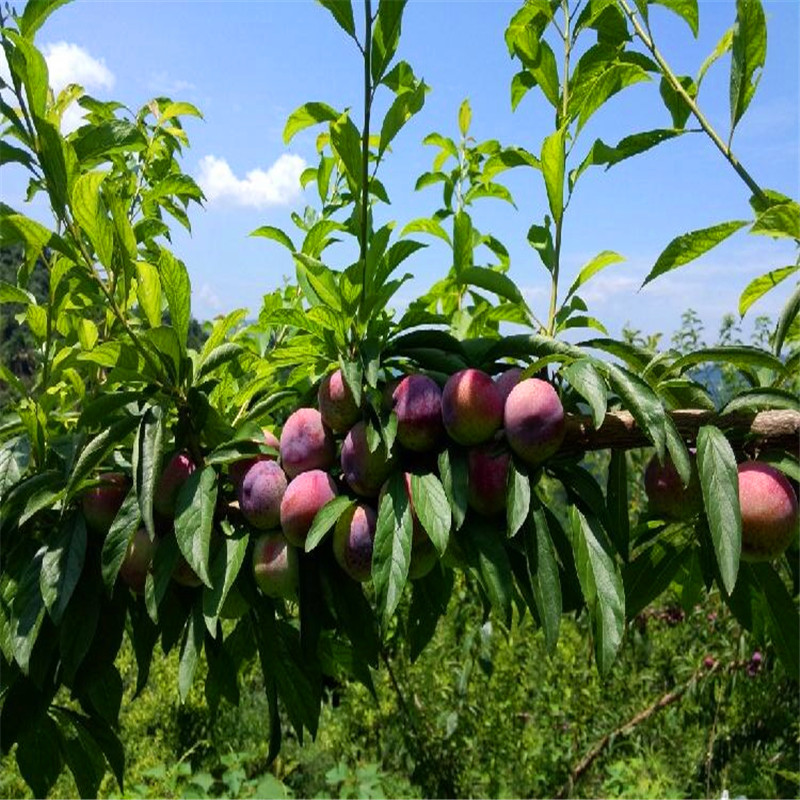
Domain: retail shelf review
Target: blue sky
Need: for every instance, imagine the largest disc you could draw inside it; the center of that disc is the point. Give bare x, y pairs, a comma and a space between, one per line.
248, 64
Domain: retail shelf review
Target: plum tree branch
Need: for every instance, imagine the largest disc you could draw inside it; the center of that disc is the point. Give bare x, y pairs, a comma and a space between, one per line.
619, 430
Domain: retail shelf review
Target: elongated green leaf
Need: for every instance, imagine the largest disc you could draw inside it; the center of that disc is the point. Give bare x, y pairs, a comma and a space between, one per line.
307, 115
737, 355
424, 225
90, 213
686, 9
601, 585
276, 234
543, 572
491, 280
62, 566
719, 479
403, 107
553, 163
12, 294
115, 545
432, 508
178, 291
194, 518
762, 399
485, 548
386, 36
325, 519
782, 617
787, 316
748, 54
148, 452
599, 262
342, 12
650, 574
617, 503
589, 384
462, 241
148, 292
391, 554
643, 404
759, 286
346, 141
190, 651
781, 221
321, 279
690, 246
36, 12
455, 480
223, 571
518, 497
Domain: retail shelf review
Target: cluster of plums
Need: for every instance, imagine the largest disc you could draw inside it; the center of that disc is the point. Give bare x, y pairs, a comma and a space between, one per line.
326, 451
767, 501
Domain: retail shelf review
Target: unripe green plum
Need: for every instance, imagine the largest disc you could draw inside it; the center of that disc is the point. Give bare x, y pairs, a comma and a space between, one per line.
306, 443
184, 575
138, 560
769, 510
276, 566
472, 408
488, 478
102, 502
336, 403
173, 476
417, 402
423, 559
353, 539
260, 494
305, 495
363, 470
666, 494
534, 420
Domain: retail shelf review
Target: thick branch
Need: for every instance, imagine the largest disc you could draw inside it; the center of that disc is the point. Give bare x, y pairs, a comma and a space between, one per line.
619, 431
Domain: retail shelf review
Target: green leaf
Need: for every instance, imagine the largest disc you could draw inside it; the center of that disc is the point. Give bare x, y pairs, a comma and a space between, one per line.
34, 15
194, 518
762, 399
781, 221
148, 452
93, 142
676, 104
346, 141
518, 498
485, 548
307, 115
543, 572
432, 508
148, 292
321, 279
719, 479
178, 291
643, 404
651, 573
722, 47
84, 758
11, 294
115, 545
759, 286
742, 356
601, 585
599, 262
39, 755
404, 106
325, 519
455, 481
190, 651
90, 213
464, 117
690, 246
748, 54
617, 503
62, 566
589, 384
342, 12
391, 554
553, 161
224, 569
429, 598
686, 9
276, 234
782, 617
787, 316
491, 280
386, 36
462, 242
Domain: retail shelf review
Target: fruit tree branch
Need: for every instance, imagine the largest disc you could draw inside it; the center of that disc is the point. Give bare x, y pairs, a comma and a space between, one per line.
619, 430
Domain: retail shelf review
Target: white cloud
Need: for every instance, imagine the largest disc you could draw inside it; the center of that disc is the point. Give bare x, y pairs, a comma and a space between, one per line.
70, 63
278, 185
162, 83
